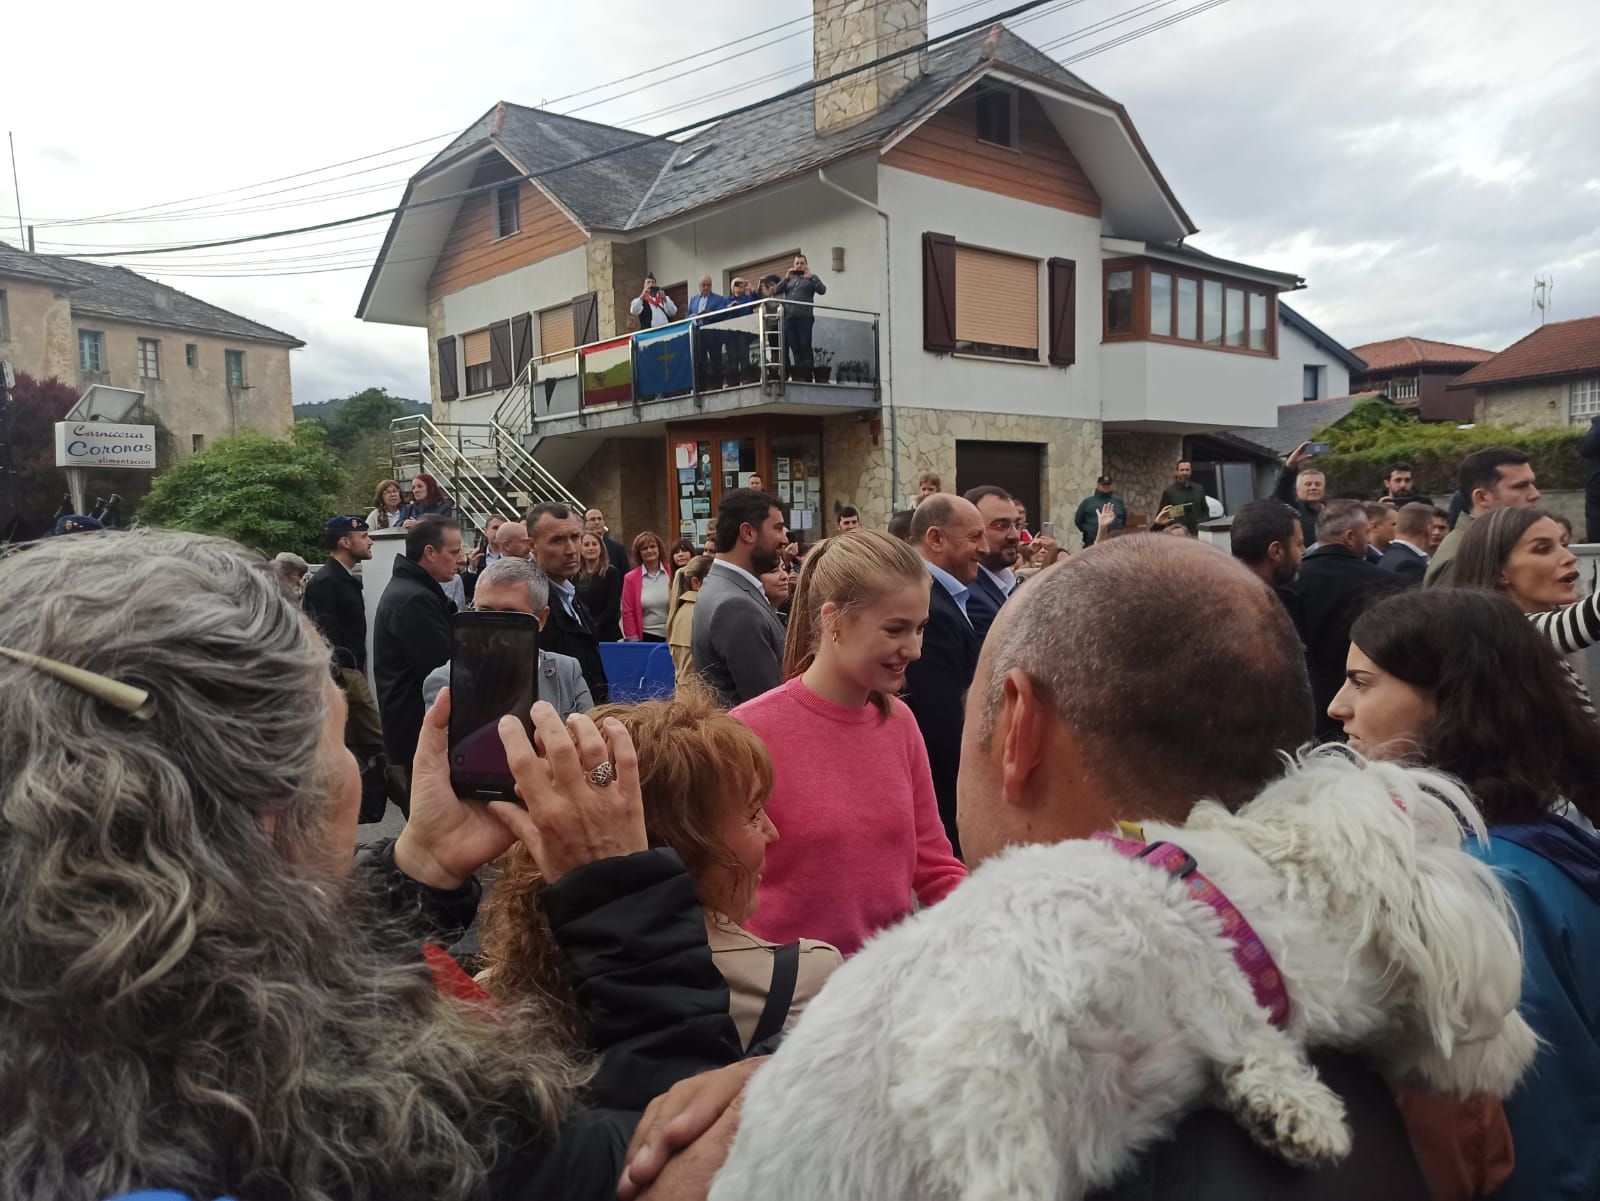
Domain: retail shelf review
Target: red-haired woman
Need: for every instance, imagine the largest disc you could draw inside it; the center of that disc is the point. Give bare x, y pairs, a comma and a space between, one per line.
427, 500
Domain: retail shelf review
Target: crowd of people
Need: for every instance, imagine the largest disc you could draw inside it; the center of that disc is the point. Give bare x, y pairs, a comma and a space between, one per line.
943, 826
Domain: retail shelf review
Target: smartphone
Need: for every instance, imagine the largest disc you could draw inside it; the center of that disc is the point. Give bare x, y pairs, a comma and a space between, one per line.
494, 670
1318, 448
1179, 510
1047, 529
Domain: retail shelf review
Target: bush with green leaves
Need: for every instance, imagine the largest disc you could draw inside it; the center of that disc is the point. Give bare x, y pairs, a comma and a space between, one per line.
1376, 434
271, 495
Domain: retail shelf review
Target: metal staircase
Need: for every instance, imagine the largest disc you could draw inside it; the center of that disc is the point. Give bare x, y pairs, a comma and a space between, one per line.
483, 466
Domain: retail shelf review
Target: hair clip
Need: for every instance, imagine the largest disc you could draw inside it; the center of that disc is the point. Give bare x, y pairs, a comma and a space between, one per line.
135, 702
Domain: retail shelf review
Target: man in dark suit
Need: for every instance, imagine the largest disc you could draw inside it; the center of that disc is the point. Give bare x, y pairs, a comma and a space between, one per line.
412, 634
948, 532
1337, 585
1266, 537
1002, 543
737, 639
594, 522
555, 532
1407, 553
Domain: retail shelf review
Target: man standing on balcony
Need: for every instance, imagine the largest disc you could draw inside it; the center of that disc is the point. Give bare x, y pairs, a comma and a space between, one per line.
1186, 498
556, 534
707, 340
653, 307
800, 285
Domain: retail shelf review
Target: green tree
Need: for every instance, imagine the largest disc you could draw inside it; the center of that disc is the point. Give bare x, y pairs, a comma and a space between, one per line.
363, 414
270, 495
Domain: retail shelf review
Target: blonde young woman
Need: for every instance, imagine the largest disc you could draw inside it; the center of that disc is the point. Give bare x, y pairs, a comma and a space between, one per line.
705, 780
854, 801
680, 616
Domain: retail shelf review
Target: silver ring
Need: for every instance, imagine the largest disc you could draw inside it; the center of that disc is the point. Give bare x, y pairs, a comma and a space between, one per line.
603, 775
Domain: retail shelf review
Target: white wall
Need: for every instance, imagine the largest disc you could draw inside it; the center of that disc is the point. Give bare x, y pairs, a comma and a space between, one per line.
541, 285
1189, 386
1295, 352
920, 204
806, 214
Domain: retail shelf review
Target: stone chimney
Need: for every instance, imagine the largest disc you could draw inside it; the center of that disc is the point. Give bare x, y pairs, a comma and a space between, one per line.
847, 33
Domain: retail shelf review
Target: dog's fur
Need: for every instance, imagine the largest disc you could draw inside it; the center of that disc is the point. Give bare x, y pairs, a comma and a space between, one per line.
1029, 1036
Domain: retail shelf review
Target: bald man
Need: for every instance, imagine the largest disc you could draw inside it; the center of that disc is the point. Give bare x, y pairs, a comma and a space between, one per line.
948, 532
1070, 728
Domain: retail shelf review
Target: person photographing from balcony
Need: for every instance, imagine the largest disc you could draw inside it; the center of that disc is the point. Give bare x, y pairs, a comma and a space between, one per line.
428, 499
800, 285
653, 307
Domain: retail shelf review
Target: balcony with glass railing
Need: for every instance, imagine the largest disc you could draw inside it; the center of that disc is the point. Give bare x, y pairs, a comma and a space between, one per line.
730, 361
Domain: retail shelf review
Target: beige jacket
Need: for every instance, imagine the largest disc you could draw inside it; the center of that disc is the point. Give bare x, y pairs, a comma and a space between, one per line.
679, 627
746, 964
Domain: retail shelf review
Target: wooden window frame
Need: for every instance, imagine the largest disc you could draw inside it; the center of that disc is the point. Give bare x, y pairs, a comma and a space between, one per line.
744, 270
516, 211
1013, 133
228, 357
154, 346
1141, 332
541, 351
482, 384
99, 343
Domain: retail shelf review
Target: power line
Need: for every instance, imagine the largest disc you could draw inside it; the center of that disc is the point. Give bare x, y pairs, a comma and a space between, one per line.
646, 140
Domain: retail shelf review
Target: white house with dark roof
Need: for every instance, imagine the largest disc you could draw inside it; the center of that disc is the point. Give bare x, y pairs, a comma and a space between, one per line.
1010, 293
206, 373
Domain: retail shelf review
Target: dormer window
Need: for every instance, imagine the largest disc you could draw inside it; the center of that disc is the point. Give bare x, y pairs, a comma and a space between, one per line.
997, 118
506, 216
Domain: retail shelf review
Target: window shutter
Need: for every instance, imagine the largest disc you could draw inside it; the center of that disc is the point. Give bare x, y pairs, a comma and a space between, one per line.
938, 292
521, 343
1063, 312
585, 319
997, 299
500, 355
476, 349
449, 389
555, 330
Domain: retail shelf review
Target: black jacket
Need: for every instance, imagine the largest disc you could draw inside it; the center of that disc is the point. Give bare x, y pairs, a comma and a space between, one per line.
1284, 491
1191, 494
1336, 587
564, 635
1404, 562
333, 598
602, 596
936, 691
983, 604
654, 1004
410, 637
1210, 1158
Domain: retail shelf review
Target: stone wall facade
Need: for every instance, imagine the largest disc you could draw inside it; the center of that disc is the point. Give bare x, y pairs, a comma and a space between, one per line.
626, 480
1527, 406
616, 275
857, 471
38, 334
848, 33
1140, 466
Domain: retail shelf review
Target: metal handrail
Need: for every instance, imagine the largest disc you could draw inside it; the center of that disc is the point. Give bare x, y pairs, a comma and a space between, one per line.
521, 467
471, 490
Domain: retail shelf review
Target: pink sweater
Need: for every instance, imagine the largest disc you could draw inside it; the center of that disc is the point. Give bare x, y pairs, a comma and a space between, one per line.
858, 827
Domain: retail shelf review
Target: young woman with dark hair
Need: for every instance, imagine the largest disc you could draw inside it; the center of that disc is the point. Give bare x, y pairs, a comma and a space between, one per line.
1455, 679
705, 780
1522, 553
599, 587
854, 800
682, 551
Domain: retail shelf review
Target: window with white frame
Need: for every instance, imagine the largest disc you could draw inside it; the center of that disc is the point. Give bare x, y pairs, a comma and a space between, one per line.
1584, 402
234, 361
149, 358
91, 351
507, 218
1311, 382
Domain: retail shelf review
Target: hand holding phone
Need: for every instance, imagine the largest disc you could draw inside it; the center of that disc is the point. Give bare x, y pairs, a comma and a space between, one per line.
494, 672
1047, 529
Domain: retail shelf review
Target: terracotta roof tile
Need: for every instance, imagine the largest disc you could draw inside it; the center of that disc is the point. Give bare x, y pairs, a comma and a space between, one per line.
1560, 348
1418, 352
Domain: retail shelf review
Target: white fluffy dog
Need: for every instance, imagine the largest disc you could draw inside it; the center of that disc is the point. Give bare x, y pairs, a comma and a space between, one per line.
1030, 1035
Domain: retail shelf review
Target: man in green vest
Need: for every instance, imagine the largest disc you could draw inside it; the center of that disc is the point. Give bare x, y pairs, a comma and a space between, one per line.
1087, 519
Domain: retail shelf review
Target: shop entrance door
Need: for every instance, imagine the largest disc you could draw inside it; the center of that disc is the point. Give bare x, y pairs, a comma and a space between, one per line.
1014, 466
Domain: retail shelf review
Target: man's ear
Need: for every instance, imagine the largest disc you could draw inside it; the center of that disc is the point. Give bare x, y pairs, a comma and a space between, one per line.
543, 616
1022, 727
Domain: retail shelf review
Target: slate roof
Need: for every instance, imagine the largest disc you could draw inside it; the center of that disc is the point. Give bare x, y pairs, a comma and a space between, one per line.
1398, 353
1297, 422
658, 178
1558, 349
119, 294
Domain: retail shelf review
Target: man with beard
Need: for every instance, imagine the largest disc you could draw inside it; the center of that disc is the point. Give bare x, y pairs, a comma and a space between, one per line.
1266, 537
1002, 545
737, 639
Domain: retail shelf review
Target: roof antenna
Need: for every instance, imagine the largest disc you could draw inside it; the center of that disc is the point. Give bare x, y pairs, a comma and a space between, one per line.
16, 187
1543, 289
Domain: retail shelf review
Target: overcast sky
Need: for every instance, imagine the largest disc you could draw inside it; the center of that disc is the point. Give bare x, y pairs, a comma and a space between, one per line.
1418, 164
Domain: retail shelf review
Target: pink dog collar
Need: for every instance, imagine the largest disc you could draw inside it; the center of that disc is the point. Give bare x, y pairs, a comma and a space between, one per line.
1266, 981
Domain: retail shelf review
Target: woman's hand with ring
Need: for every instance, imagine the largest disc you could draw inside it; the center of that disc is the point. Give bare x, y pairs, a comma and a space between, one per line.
567, 819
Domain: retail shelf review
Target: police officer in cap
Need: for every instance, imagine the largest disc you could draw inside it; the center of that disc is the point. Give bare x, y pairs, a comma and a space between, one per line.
333, 599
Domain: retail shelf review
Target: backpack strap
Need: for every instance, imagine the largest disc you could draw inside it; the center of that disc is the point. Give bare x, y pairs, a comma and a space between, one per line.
780, 994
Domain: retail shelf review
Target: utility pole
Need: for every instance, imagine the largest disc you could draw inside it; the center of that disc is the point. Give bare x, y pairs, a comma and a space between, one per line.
15, 186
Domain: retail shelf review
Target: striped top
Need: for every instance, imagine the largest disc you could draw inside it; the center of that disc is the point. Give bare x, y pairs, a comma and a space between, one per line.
1570, 629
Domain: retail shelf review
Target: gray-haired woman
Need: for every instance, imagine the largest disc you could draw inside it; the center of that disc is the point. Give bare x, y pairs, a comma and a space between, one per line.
197, 993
